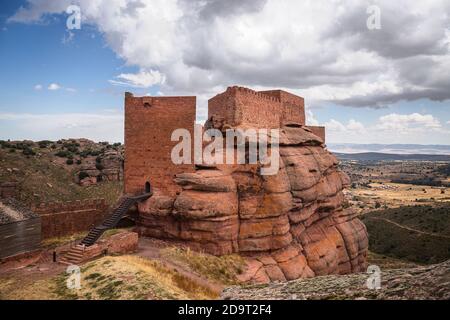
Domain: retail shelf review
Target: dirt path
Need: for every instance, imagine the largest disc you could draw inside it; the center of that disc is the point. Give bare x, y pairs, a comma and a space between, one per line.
411, 229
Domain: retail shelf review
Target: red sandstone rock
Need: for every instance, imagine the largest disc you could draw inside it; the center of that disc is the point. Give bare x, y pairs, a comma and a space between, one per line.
288, 225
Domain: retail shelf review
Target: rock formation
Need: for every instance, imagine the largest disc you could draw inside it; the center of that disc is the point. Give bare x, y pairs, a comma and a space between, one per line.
289, 225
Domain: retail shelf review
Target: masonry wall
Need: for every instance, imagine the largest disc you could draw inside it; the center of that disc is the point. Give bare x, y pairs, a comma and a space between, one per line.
292, 106
149, 123
318, 131
244, 107
61, 219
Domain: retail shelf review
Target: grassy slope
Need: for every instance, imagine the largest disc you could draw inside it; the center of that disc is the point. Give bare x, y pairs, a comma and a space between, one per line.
111, 278
222, 269
44, 178
391, 240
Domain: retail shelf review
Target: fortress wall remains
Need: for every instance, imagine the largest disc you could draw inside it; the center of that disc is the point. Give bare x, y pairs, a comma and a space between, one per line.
293, 107
244, 107
149, 123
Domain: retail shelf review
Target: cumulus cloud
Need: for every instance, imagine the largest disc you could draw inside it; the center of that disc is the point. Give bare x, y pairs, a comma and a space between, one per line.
53, 86
402, 122
321, 50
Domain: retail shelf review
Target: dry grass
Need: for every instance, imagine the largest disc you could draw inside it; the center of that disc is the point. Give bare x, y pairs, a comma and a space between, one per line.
21, 289
222, 269
110, 278
131, 277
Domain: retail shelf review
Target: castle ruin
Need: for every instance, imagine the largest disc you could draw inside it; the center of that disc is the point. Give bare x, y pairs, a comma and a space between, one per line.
289, 225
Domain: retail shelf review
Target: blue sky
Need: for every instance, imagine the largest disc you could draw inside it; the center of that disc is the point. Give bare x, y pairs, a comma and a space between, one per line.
140, 49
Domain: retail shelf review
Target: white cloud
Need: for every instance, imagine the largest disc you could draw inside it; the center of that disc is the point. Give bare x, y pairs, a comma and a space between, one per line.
321, 50
352, 127
38, 87
310, 117
405, 123
143, 79
54, 87
98, 127
71, 90
390, 128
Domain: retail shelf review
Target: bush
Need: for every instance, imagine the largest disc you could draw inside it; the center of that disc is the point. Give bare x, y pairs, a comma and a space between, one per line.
99, 166
63, 154
82, 175
69, 161
12, 150
78, 161
28, 151
44, 143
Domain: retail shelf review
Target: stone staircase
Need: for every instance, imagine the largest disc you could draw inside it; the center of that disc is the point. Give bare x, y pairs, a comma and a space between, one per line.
75, 254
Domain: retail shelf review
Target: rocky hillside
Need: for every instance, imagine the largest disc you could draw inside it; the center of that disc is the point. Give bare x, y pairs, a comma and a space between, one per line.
431, 282
62, 170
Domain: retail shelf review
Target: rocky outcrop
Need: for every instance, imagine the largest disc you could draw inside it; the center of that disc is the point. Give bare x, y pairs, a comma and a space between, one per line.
421, 283
106, 167
289, 225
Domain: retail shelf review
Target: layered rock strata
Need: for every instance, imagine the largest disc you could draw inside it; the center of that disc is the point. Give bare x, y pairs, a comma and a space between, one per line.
289, 225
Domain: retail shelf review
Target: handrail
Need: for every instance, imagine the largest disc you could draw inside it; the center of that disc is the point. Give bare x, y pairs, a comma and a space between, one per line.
113, 218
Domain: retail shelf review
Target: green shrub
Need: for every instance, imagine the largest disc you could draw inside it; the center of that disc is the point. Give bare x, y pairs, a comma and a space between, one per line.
99, 166
78, 161
28, 151
82, 175
69, 161
44, 143
62, 154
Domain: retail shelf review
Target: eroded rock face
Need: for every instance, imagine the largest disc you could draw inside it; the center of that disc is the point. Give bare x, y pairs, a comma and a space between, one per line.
289, 225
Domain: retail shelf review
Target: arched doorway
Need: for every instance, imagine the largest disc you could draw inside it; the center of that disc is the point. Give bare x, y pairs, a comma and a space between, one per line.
148, 187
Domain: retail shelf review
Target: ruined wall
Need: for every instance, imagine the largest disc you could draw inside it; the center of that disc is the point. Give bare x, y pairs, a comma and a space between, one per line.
243, 107
61, 219
149, 123
292, 109
318, 131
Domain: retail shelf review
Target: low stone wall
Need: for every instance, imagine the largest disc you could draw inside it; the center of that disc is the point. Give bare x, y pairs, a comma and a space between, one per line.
61, 219
121, 243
